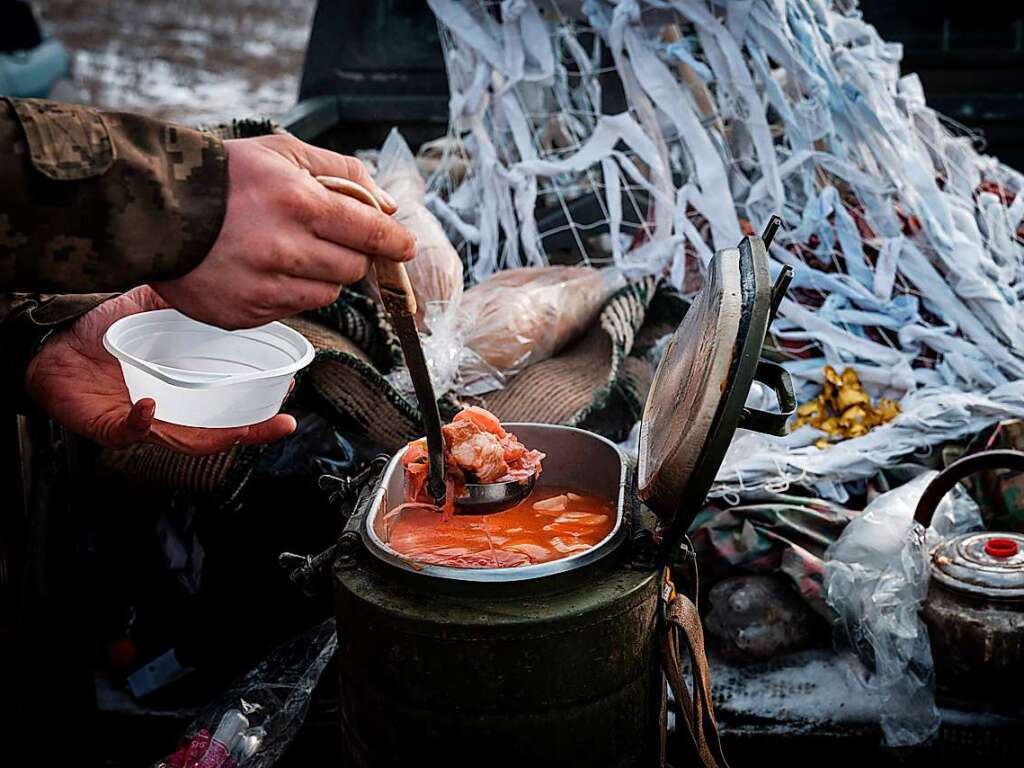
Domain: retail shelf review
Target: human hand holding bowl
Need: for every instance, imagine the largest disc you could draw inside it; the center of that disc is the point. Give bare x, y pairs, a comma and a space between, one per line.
80, 385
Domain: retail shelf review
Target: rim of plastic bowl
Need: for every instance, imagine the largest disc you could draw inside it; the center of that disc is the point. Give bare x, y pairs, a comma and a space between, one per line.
161, 372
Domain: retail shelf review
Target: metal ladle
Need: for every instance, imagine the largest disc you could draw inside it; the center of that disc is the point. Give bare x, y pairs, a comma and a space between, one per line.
400, 303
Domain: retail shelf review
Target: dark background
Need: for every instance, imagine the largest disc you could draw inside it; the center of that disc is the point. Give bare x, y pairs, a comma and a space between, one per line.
970, 57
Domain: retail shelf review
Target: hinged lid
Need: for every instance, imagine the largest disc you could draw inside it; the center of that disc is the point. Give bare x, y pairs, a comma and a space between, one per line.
697, 398
989, 565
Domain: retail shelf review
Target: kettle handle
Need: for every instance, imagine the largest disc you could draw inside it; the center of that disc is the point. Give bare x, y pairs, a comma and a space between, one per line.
943, 482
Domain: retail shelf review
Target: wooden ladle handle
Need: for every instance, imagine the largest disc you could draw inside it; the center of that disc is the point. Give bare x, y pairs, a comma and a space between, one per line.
392, 279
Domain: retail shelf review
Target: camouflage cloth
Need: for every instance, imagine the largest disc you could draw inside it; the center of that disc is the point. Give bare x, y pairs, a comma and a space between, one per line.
783, 533
94, 201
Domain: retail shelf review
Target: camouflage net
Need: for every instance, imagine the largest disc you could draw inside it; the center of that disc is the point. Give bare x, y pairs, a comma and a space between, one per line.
649, 133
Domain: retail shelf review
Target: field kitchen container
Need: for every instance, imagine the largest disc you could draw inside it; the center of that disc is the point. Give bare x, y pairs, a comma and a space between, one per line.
557, 663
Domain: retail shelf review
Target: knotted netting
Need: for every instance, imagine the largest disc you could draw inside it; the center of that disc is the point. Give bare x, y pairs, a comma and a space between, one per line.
650, 134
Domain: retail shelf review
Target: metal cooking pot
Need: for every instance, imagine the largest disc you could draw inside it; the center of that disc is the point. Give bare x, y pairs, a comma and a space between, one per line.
491, 665
975, 604
558, 663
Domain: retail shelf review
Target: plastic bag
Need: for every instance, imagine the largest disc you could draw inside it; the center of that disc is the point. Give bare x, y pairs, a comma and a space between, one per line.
876, 578
520, 316
443, 349
272, 699
436, 272
511, 320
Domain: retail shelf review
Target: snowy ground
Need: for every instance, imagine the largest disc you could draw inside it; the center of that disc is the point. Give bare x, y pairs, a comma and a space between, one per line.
193, 61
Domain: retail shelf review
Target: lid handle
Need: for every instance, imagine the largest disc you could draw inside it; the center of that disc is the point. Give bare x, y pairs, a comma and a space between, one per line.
774, 222
779, 291
943, 483
777, 378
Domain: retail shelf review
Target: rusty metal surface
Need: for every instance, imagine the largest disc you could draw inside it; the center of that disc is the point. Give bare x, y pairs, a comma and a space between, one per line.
688, 386
978, 647
699, 391
974, 609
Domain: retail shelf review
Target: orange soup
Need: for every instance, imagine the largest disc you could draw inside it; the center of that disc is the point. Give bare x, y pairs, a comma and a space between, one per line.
550, 524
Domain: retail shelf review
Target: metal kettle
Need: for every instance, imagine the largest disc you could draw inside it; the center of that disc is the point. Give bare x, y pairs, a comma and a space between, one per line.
975, 604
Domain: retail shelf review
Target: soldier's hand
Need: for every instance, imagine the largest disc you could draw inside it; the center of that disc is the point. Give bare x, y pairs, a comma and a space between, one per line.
287, 244
79, 383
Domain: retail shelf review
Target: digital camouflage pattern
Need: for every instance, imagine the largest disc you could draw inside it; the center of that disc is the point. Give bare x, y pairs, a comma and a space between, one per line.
103, 201
95, 201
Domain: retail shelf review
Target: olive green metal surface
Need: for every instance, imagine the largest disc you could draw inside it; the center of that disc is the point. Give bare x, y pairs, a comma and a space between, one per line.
568, 678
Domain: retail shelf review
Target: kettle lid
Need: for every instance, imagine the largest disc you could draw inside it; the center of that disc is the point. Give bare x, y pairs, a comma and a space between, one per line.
985, 564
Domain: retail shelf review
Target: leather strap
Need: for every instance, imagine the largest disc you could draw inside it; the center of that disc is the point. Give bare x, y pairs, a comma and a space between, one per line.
699, 730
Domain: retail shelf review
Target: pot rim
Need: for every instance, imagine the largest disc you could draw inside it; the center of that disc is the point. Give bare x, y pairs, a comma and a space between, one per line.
500, 575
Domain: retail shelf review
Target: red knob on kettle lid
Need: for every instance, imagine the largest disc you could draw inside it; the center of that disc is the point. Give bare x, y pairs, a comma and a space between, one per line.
999, 547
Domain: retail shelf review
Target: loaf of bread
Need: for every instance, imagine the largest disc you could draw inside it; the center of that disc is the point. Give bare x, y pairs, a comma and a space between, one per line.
520, 316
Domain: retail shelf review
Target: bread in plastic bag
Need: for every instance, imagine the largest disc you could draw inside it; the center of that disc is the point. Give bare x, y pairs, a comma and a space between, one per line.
436, 272
521, 316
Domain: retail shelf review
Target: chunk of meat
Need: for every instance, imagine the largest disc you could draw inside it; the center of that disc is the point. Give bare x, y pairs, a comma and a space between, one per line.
475, 450
513, 448
415, 453
482, 418
525, 465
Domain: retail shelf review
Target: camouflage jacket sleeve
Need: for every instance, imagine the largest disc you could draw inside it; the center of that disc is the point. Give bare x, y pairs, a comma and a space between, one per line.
94, 201
26, 320
101, 201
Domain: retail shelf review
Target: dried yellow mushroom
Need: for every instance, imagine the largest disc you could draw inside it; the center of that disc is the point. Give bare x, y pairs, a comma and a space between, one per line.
843, 409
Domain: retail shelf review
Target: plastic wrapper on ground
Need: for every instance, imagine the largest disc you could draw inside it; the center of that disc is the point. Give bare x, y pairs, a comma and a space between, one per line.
876, 579
274, 696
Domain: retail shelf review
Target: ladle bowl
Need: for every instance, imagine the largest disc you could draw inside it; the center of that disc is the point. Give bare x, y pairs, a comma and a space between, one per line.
490, 498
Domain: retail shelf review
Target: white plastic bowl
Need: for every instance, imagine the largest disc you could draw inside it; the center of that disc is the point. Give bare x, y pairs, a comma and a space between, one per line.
203, 376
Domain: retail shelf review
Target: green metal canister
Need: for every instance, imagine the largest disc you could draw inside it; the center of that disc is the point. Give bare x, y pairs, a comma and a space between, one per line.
566, 677
556, 664
491, 666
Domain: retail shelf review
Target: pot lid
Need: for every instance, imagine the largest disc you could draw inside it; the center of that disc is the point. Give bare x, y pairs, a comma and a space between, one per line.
986, 564
697, 399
